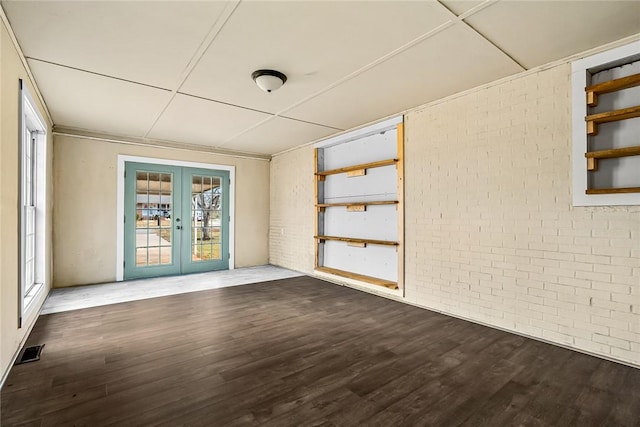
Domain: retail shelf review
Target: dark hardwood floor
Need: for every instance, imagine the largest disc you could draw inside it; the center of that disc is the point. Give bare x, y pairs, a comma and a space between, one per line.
303, 352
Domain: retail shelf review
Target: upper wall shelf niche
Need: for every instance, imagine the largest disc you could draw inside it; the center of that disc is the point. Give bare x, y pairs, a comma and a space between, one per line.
606, 166
593, 120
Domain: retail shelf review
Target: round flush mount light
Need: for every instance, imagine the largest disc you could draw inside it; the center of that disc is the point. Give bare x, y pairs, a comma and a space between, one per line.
268, 80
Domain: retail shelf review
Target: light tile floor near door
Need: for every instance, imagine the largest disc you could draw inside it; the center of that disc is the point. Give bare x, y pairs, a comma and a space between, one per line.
74, 298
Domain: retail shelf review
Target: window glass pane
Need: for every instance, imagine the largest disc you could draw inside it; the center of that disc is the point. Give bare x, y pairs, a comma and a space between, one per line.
141, 256
153, 218
206, 200
31, 238
216, 252
196, 253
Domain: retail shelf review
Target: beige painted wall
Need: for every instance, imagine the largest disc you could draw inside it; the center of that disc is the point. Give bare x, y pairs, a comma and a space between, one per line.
491, 235
85, 210
11, 337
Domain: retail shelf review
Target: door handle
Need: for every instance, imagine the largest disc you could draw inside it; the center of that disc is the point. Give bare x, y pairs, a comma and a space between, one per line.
178, 227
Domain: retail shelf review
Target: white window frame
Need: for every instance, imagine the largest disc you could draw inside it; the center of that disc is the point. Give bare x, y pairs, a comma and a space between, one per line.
580, 78
122, 159
32, 224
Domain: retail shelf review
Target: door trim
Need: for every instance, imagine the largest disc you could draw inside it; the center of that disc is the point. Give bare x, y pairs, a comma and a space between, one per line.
120, 202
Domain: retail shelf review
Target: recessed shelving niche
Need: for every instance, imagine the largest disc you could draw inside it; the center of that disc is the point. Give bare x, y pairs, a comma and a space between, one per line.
593, 96
359, 207
606, 128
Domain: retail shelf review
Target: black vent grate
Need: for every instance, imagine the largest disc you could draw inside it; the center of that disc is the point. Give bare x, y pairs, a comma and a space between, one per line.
29, 354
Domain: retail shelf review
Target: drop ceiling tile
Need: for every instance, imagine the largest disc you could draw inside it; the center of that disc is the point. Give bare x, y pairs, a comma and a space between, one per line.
278, 134
93, 102
538, 32
315, 43
453, 60
460, 6
146, 42
200, 121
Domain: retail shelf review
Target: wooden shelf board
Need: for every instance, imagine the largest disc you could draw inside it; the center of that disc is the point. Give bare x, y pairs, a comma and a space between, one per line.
359, 277
355, 240
613, 190
329, 205
363, 166
614, 153
611, 86
610, 116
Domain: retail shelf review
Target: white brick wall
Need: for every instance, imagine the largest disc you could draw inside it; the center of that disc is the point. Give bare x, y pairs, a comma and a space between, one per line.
291, 210
490, 231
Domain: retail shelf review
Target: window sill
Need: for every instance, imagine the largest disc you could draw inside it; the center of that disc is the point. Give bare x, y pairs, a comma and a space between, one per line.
30, 298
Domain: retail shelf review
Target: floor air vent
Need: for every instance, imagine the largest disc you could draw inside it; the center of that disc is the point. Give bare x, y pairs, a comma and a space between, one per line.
29, 354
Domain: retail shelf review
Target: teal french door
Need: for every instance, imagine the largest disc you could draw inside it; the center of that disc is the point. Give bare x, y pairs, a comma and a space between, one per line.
176, 220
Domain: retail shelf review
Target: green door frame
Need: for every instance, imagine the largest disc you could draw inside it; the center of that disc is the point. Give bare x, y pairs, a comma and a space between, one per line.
188, 265
131, 270
181, 261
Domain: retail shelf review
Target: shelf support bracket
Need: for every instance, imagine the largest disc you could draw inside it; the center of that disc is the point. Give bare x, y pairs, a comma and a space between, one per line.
357, 172
357, 244
356, 208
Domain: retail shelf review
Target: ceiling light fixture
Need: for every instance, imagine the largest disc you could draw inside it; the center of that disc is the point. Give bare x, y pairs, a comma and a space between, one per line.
268, 80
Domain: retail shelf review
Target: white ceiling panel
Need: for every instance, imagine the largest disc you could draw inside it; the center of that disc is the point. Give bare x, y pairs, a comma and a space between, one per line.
348, 62
278, 134
315, 43
449, 62
199, 121
93, 102
146, 42
537, 32
460, 6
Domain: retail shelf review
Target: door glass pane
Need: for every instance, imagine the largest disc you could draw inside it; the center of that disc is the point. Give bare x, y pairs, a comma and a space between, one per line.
206, 212
153, 218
